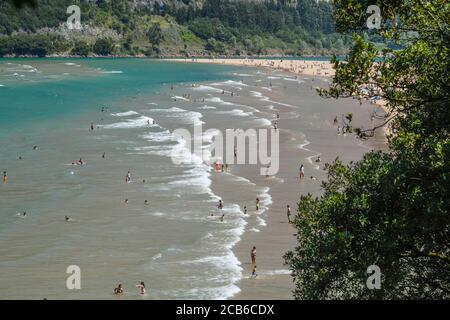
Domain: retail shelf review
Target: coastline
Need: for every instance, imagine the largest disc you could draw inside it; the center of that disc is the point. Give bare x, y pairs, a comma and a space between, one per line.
277, 236
305, 132
298, 67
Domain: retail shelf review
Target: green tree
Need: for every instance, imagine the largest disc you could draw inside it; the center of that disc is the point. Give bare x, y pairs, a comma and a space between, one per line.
81, 48
389, 209
104, 46
155, 34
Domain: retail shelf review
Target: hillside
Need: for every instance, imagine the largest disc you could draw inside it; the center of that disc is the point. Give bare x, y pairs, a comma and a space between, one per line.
171, 27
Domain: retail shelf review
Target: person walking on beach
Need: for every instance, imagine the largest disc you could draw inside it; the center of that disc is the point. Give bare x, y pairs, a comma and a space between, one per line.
141, 287
5, 177
253, 256
302, 171
289, 213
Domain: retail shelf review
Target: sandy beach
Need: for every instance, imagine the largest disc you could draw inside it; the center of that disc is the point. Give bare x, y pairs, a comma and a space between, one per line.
299, 67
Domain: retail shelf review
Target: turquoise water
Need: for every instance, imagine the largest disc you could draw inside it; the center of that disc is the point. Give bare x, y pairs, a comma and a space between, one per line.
46, 97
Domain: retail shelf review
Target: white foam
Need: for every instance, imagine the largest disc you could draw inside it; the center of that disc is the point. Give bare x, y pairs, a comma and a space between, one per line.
230, 83
204, 88
113, 72
72, 64
140, 122
179, 98
262, 122
125, 114
309, 159
207, 108
236, 112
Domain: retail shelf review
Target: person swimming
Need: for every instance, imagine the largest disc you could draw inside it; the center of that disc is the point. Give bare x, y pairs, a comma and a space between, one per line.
68, 219
119, 289
318, 159
146, 202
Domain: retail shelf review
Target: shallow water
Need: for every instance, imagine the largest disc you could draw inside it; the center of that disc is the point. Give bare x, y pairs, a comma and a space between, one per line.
173, 243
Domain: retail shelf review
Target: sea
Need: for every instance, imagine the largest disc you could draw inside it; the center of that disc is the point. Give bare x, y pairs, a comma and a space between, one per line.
163, 226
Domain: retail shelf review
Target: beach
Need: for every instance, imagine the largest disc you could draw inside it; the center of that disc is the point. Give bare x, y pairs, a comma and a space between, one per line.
177, 243
296, 66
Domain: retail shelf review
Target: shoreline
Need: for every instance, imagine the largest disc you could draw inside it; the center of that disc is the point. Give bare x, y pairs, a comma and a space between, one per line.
297, 67
277, 236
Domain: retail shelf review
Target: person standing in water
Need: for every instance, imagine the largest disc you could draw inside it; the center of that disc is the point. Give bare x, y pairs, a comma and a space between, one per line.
253, 256
5, 177
245, 210
92, 126
141, 287
254, 274
128, 177
289, 213
257, 204
302, 171
220, 205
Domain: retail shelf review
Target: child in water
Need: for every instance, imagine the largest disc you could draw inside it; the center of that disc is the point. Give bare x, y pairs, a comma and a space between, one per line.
141, 287
254, 274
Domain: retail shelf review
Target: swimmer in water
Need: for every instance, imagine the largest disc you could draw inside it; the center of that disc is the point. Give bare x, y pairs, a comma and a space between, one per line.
92, 126
146, 202
119, 289
103, 155
35, 147
318, 159
245, 209
68, 219
141, 287
221, 218
126, 201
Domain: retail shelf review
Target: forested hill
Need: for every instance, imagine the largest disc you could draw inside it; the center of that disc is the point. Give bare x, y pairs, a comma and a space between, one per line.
171, 27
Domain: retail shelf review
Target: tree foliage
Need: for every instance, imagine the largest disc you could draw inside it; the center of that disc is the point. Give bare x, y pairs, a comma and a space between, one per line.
389, 209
